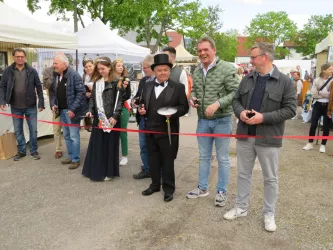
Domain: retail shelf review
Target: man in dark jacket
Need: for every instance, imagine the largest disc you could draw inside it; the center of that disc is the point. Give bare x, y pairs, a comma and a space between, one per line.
18, 89
266, 98
163, 92
149, 77
69, 102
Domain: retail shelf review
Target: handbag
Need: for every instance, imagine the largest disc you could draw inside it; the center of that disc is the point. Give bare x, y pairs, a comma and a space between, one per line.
8, 147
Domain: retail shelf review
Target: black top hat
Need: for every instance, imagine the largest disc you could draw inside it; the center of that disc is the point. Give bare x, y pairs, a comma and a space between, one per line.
161, 59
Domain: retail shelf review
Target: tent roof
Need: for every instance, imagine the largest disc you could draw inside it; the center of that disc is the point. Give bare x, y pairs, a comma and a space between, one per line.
24, 29
98, 38
183, 55
323, 45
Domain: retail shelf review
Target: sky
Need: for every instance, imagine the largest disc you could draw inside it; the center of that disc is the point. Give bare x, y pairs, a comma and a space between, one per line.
237, 14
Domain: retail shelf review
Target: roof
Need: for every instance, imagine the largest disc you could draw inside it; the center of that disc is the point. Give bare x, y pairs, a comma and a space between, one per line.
183, 55
131, 36
289, 44
177, 38
242, 51
325, 43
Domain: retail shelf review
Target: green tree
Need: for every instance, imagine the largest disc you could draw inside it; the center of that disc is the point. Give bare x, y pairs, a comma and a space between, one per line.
226, 43
149, 18
209, 25
273, 27
315, 30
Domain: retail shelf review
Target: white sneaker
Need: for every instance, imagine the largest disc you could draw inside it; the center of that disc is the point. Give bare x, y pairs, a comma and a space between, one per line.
294, 118
270, 225
123, 161
186, 114
234, 213
308, 146
196, 193
322, 149
107, 178
220, 199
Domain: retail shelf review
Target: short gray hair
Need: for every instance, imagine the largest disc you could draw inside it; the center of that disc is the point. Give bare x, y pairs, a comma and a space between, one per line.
62, 58
265, 49
149, 59
207, 39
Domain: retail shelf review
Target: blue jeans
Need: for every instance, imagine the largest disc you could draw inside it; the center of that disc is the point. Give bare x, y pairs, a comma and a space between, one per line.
31, 115
143, 146
71, 136
214, 126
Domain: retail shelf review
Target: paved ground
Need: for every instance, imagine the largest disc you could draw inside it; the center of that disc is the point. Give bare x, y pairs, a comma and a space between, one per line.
46, 206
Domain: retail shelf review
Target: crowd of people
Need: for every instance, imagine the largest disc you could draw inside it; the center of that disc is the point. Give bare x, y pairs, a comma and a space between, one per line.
262, 100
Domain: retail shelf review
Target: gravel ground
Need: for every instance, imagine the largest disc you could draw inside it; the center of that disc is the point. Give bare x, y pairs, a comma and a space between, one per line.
46, 206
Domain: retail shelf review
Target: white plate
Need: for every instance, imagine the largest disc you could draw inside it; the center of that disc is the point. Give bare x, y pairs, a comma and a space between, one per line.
167, 111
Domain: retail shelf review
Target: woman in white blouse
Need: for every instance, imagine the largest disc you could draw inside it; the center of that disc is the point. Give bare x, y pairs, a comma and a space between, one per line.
320, 94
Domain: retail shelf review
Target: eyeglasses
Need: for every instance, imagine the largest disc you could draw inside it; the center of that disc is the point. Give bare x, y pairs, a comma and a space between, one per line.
20, 57
254, 57
146, 67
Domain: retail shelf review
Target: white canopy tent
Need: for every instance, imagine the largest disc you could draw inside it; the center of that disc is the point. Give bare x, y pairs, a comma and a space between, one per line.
325, 43
16, 27
285, 66
98, 40
183, 55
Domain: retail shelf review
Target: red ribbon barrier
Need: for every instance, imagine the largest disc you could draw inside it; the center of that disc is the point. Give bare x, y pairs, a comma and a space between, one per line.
302, 137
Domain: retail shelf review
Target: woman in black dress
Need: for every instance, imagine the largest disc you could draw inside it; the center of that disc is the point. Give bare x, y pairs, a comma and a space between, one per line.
105, 105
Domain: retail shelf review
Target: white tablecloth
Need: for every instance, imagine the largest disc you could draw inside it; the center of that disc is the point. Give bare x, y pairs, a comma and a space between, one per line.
43, 129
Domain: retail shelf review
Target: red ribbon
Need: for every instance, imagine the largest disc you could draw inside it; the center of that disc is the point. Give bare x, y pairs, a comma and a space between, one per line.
303, 137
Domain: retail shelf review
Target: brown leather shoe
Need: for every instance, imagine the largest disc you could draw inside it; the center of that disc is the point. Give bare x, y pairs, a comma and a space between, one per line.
66, 161
58, 155
74, 165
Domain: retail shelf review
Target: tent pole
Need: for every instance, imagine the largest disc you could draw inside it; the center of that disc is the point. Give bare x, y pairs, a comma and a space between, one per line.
77, 60
75, 30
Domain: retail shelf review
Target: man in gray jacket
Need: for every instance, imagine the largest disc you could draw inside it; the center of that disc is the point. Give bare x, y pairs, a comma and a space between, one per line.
266, 98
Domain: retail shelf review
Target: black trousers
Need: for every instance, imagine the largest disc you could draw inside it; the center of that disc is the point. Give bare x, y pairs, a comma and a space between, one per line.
161, 162
320, 109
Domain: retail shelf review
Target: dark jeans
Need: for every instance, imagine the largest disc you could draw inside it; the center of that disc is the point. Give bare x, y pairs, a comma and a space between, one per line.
31, 115
320, 109
143, 146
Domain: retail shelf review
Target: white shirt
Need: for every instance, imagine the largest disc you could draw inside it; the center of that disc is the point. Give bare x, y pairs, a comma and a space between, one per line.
299, 86
88, 82
209, 67
325, 100
159, 89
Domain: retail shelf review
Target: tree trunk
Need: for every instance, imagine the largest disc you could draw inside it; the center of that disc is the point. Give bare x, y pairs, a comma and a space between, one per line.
158, 40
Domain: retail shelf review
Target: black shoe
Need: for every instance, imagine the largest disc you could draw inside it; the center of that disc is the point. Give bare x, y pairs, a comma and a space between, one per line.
150, 191
141, 175
19, 156
168, 197
35, 156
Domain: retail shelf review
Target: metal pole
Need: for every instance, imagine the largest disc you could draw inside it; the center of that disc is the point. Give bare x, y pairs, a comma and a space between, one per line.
75, 30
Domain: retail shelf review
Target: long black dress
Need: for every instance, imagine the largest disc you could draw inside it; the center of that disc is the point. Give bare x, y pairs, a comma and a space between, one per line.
102, 159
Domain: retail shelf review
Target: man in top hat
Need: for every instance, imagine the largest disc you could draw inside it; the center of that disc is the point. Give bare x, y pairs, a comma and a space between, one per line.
162, 92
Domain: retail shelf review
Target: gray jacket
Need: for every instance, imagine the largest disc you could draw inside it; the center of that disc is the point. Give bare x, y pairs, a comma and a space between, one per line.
279, 104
